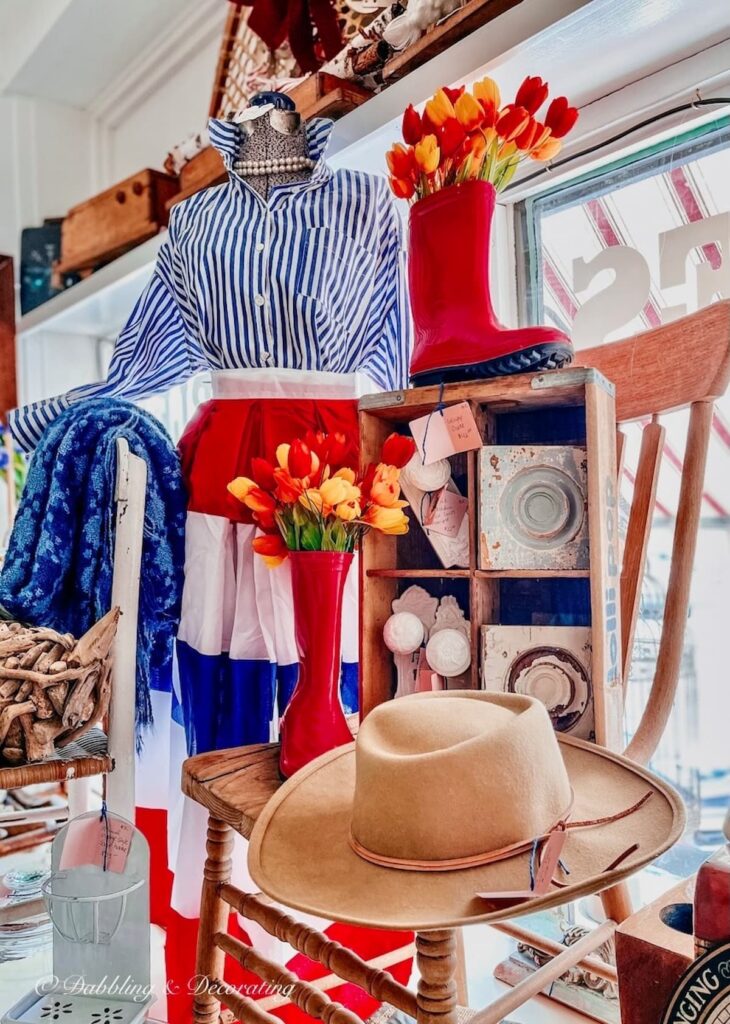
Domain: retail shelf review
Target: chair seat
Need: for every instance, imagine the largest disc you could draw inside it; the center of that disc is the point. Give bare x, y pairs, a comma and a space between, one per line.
235, 784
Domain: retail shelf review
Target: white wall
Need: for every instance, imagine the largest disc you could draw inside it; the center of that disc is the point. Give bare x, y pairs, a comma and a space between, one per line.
45, 164
176, 109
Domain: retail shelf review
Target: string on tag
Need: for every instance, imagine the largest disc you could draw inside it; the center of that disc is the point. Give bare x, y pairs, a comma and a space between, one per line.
104, 819
439, 408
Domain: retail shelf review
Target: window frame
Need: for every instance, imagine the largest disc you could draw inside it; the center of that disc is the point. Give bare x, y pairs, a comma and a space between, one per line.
674, 151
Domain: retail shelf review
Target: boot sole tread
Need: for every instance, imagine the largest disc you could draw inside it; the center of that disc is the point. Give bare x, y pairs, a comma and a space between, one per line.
528, 360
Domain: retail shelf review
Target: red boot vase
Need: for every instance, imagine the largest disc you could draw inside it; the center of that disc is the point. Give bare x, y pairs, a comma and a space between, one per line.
457, 335
314, 721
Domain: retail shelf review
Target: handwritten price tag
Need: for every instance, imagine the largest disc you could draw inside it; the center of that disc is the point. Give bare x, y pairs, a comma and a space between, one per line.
446, 432
90, 841
445, 513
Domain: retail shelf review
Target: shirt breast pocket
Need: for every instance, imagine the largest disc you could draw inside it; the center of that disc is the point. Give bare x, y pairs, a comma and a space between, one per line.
335, 269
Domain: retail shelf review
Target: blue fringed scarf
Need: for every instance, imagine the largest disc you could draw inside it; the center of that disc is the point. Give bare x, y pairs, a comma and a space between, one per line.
58, 568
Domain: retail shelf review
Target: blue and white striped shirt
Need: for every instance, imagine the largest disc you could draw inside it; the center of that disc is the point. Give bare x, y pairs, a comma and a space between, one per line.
312, 279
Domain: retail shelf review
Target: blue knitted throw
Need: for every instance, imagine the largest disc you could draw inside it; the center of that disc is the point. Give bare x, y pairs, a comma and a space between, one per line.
58, 568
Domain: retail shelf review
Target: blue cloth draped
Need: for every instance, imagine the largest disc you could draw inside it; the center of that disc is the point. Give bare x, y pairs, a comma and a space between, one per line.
59, 565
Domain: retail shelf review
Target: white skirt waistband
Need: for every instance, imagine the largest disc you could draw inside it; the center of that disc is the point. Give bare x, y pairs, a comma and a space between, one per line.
262, 383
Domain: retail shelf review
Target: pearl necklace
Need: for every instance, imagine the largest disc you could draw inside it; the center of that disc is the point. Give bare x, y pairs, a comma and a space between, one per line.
275, 166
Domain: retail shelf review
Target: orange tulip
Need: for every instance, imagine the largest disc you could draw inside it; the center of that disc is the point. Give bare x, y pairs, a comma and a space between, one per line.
533, 136
454, 93
392, 521
385, 489
427, 154
400, 161
487, 92
263, 507
241, 487
402, 189
532, 94
469, 112
272, 549
512, 122
440, 109
288, 488
548, 150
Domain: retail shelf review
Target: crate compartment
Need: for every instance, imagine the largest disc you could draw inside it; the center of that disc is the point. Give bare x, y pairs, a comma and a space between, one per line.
533, 511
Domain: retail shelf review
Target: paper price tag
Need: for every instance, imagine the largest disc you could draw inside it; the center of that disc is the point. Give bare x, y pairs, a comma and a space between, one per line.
446, 432
445, 513
89, 841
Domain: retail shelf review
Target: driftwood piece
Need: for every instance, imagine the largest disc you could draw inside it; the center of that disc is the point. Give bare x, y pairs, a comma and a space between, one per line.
53, 688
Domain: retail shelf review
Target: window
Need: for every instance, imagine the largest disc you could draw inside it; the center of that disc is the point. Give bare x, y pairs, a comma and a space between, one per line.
612, 254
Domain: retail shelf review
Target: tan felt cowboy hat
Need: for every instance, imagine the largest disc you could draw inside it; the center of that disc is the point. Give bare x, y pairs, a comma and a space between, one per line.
448, 795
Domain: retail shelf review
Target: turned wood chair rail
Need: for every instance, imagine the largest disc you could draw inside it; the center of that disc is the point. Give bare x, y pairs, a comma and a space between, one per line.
685, 364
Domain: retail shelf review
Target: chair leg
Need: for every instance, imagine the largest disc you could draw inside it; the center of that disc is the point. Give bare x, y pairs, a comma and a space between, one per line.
436, 962
213, 918
617, 902
462, 987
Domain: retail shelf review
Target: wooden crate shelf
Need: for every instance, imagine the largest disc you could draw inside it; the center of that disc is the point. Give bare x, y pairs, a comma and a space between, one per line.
571, 409
532, 574
419, 574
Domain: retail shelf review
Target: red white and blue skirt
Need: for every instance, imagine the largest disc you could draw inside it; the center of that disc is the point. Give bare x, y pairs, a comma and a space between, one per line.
236, 668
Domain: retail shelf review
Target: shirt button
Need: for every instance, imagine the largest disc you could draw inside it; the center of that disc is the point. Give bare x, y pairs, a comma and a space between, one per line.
260, 247
259, 300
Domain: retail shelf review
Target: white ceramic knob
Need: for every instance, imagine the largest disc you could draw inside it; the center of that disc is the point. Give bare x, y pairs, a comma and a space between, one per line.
403, 633
428, 478
448, 652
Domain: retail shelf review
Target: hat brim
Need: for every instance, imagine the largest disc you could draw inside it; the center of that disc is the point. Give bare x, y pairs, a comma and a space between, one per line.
300, 854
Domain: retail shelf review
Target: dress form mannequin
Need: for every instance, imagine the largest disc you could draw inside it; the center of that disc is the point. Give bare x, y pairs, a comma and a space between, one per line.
274, 145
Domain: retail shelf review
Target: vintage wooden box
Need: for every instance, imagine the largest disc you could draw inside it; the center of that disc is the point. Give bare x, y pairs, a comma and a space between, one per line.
654, 947
572, 407
104, 227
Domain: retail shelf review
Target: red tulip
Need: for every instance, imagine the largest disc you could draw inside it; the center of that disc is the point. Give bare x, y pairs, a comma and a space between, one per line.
512, 122
337, 451
272, 549
412, 126
454, 94
533, 135
300, 460
400, 160
450, 136
398, 450
263, 473
561, 117
532, 94
401, 188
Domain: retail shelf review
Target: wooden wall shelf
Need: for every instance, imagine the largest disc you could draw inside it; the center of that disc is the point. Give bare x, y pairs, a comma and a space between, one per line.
571, 409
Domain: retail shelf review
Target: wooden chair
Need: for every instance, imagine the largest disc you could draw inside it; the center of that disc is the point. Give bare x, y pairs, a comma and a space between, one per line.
686, 363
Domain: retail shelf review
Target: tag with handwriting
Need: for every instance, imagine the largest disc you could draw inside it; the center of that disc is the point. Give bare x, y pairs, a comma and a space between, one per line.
543, 876
446, 432
445, 512
90, 841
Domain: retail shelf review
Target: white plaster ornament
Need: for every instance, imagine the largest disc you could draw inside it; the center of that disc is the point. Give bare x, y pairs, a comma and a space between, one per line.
431, 477
400, 632
448, 652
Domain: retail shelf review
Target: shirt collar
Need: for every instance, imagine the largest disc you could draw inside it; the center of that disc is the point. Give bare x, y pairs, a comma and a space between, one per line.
227, 137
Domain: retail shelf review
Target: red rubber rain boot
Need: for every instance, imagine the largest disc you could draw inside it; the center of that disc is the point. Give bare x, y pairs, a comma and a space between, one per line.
457, 335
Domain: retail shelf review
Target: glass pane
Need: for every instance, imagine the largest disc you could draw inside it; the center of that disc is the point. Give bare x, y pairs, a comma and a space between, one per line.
638, 247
